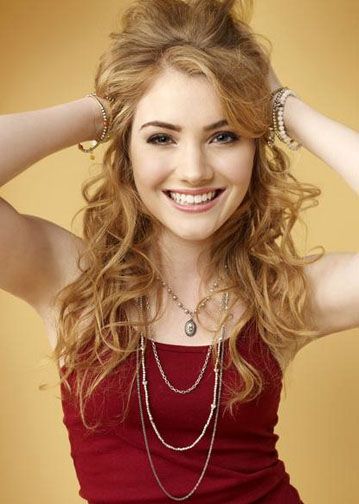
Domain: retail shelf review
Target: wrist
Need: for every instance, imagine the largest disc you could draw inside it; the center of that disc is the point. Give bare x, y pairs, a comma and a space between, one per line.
97, 120
91, 122
290, 112
280, 121
96, 124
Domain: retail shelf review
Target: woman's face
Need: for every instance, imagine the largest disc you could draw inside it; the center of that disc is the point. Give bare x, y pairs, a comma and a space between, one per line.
193, 172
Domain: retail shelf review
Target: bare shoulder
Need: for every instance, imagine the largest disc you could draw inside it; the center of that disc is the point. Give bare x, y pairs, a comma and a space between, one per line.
334, 291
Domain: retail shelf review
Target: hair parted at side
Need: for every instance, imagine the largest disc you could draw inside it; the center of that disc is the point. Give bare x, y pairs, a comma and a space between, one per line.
210, 38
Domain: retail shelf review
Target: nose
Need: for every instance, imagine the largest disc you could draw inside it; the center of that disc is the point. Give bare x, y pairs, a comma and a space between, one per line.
193, 165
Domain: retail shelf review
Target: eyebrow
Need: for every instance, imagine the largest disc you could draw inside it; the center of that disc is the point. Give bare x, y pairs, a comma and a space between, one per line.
174, 127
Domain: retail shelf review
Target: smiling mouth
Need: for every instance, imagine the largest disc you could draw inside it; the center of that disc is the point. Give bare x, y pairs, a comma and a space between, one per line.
193, 199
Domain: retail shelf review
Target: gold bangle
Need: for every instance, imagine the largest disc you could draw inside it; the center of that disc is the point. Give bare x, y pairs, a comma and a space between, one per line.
106, 125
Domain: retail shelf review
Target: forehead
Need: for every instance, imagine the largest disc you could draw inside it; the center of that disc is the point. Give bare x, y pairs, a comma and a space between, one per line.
179, 98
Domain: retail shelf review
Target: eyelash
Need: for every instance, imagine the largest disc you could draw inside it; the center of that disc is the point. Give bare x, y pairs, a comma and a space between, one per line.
228, 133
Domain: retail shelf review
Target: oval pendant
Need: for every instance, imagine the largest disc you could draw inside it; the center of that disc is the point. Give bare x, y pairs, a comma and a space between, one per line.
190, 327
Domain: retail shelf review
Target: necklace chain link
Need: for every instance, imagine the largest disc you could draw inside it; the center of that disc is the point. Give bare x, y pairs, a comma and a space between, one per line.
181, 305
212, 407
166, 380
190, 327
159, 365
215, 405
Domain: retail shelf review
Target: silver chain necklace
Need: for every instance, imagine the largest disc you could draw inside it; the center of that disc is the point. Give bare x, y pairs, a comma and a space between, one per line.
215, 405
154, 426
201, 373
190, 327
166, 380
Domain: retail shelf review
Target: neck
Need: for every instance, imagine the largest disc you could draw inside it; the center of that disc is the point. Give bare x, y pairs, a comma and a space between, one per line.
183, 265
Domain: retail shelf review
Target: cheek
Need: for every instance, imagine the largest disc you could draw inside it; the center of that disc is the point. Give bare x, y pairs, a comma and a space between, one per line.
237, 167
238, 174
147, 169
148, 176
243, 174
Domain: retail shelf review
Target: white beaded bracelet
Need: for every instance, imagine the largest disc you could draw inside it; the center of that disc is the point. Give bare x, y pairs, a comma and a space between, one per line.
278, 128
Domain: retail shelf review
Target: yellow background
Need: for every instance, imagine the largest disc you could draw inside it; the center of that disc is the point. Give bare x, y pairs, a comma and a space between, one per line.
49, 52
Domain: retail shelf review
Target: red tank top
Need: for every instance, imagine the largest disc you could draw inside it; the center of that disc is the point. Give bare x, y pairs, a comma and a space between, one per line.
112, 465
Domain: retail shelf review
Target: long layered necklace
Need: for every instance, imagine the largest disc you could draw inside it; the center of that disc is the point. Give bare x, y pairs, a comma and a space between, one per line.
218, 369
159, 365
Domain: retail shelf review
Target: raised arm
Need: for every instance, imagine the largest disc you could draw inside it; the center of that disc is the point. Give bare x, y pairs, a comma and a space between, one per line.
28, 137
36, 256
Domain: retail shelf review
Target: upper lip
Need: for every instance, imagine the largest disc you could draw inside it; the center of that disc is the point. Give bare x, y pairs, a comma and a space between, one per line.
204, 190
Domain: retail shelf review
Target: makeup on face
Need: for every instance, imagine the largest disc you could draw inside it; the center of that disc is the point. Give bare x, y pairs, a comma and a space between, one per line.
191, 168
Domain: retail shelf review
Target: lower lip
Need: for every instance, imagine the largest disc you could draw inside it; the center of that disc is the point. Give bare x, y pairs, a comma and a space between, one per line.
197, 208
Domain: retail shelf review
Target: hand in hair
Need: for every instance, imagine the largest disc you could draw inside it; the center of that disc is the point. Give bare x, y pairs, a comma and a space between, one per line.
272, 79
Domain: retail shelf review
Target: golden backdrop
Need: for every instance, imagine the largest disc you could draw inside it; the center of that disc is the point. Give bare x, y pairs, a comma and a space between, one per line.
49, 52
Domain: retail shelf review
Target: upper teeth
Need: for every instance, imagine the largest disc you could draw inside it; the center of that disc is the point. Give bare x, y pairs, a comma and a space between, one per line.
189, 199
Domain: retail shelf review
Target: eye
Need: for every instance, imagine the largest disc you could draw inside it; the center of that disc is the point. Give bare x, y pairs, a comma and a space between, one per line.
228, 134
153, 139
156, 139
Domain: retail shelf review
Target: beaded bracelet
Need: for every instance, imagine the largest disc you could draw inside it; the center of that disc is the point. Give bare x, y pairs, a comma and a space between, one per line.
106, 125
278, 128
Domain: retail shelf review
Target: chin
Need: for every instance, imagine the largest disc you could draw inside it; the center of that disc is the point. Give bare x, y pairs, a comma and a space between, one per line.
192, 235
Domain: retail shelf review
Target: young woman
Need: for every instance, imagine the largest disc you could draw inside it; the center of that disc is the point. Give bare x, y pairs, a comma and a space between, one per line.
173, 319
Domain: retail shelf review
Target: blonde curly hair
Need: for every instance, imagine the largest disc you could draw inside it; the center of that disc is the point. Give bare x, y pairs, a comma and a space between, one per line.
210, 38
